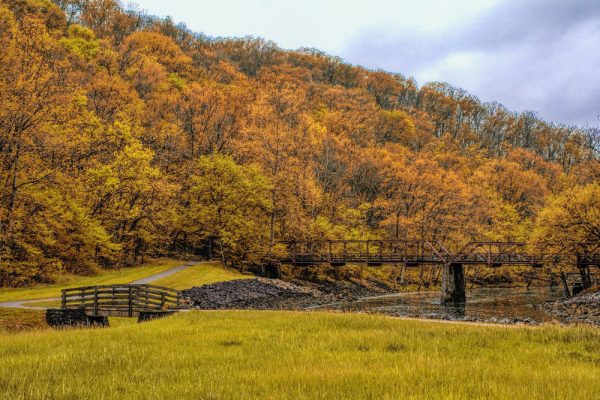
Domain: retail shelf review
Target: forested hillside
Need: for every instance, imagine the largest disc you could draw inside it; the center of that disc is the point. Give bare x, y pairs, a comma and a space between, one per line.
123, 135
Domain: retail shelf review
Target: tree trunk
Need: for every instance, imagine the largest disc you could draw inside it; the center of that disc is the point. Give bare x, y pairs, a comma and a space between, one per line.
9, 200
272, 222
222, 254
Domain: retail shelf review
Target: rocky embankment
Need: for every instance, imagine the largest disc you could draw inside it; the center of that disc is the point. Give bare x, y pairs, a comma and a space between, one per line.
273, 294
583, 308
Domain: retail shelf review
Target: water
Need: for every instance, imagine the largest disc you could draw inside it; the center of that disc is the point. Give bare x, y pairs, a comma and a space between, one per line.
489, 304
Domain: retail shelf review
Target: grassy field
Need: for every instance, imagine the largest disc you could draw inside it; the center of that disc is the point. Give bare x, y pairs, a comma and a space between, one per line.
198, 275
285, 355
124, 275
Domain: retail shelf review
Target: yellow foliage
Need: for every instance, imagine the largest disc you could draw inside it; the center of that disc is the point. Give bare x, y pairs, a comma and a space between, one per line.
569, 218
124, 136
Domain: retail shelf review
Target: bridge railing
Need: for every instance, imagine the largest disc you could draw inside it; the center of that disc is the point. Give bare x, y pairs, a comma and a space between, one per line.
120, 300
365, 251
491, 254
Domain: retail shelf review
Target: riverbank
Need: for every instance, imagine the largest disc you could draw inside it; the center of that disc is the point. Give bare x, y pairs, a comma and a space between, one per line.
507, 306
583, 308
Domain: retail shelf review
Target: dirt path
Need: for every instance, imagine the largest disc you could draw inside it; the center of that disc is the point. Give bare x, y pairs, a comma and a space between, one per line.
22, 304
164, 274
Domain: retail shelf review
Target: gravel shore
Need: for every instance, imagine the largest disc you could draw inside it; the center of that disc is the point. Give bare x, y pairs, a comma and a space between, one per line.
273, 294
583, 308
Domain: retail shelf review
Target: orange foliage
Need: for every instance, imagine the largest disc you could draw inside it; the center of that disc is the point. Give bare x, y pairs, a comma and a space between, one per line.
108, 118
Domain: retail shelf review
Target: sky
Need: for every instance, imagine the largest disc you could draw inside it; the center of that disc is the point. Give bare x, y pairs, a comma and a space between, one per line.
538, 55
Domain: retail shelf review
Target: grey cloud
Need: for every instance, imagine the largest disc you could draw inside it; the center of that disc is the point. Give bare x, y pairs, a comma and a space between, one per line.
538, 55
536, 20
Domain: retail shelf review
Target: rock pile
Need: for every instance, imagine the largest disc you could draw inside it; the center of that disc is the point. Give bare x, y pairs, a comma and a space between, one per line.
274, 294
256, 293
583, 308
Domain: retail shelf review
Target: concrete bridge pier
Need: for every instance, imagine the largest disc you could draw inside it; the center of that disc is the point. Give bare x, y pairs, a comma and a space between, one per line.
453, 284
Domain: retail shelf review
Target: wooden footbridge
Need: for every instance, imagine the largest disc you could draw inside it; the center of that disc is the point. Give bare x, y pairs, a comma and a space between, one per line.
120, 300
417, 253
92, 305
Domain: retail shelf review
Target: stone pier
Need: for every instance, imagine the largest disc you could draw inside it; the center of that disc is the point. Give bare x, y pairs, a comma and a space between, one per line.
453, 284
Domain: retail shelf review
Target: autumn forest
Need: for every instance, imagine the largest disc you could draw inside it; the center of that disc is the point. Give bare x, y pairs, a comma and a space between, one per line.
125, 136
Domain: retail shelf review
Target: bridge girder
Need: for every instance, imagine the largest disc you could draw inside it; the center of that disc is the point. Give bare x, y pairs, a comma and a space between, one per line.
416, 253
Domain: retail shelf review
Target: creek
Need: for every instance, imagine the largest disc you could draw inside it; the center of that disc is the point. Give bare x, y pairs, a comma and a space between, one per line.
505, 305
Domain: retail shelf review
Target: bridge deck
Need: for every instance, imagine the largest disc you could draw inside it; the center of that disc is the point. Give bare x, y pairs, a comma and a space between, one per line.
493, 260
413, 253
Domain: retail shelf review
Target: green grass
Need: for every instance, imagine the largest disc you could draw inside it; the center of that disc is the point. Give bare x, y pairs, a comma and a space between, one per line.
124, 275
198, 275
285, 355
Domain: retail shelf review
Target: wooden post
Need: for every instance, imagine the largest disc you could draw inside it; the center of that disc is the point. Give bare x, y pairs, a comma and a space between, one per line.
96, 301
146, 302
130, 305
367, 251
63, 299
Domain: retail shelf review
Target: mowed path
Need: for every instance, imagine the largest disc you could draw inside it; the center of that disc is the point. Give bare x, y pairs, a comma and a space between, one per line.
22, 304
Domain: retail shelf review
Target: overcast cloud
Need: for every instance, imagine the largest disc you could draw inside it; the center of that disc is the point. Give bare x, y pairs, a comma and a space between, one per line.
539, 55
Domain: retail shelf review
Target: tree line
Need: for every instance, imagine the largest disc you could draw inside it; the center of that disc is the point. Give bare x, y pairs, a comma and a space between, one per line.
124, 135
